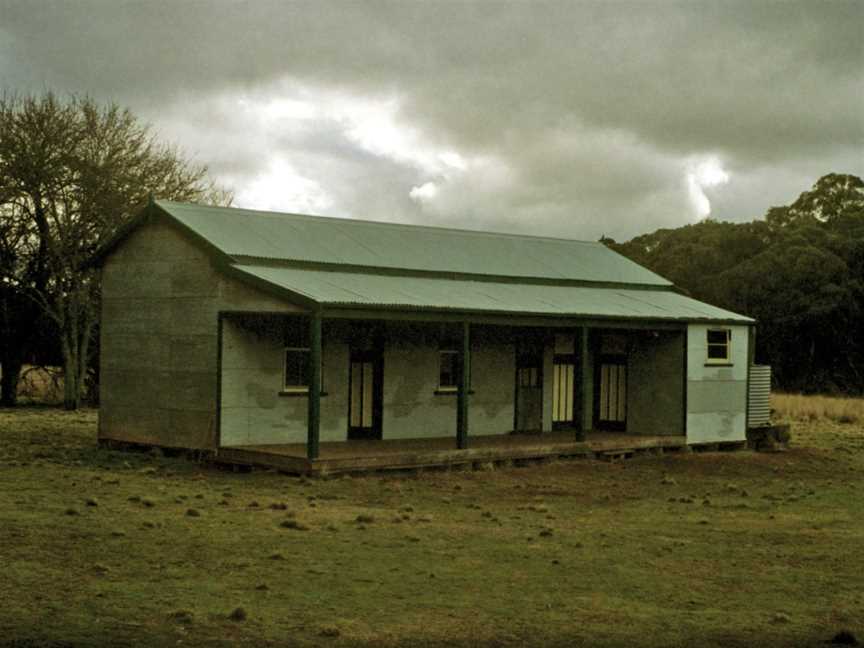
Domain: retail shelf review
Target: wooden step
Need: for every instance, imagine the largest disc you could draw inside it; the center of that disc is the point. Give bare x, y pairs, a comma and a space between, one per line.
615, 455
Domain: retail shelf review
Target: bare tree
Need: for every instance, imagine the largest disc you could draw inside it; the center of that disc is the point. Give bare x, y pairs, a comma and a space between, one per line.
71, 172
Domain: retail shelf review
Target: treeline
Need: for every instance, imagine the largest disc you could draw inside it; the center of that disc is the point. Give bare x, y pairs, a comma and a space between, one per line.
799, 273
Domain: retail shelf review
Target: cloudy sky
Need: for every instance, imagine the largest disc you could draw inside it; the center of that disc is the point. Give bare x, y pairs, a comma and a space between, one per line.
570, 119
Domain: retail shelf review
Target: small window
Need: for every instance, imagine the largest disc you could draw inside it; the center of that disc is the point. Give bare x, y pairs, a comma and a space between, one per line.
719, 341
448, 377
529, 363
297, 370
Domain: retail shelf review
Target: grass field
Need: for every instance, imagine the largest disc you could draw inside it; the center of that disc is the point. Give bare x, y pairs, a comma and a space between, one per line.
100, 547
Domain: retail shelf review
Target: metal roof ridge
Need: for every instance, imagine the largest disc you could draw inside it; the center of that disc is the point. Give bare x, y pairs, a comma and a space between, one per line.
341, 219
444, 275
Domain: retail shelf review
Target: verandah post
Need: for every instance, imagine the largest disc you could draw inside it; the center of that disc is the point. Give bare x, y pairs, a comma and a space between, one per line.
463, 386
314, 418
585, 405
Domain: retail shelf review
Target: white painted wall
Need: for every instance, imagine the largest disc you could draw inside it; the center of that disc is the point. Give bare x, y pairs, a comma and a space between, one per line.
254, 413
716, 394
413, 409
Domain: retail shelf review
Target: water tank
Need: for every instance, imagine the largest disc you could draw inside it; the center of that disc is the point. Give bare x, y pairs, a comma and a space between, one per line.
759, 396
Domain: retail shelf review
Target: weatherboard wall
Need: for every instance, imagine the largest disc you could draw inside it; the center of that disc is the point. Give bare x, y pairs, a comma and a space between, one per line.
716, 393
655, 385
161, 296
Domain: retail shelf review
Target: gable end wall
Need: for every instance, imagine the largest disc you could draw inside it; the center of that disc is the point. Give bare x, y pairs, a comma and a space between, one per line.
161, 295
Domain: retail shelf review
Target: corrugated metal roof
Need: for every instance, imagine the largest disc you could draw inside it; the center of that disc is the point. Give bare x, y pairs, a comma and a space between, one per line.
292, 237
427, 293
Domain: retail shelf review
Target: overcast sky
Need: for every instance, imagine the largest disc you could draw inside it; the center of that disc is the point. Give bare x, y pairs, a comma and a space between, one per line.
565, 119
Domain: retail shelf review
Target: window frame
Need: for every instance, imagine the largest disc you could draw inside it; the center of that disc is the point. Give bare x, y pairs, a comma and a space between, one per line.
454, 353
298, 388
529, 376
529, 361
726, 359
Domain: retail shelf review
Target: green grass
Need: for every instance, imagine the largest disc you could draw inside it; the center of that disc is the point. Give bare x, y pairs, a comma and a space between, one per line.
706, 549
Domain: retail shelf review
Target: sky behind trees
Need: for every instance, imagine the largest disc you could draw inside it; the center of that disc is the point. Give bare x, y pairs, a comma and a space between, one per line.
566, 119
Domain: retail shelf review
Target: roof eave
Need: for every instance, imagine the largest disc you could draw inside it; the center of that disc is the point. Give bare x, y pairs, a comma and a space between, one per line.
334, 308
150, 212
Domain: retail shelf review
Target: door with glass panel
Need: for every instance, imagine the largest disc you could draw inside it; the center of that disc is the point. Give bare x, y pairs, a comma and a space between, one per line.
564, 382
528, 415
365, 395
610, 404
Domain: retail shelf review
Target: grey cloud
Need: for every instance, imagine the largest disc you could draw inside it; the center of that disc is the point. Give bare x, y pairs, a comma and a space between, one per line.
593, 107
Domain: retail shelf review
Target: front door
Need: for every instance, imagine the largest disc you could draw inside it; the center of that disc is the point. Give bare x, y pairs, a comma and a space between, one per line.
611, 394
563, 392
365, 395
564, 382
529, 392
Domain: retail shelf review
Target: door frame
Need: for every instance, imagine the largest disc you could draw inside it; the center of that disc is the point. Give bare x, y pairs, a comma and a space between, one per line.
573, 359
616, 359
374, 432
525, 360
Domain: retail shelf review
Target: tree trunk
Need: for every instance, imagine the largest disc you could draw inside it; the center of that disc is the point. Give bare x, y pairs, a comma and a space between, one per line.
9, 381
76, 327
84, 351
71, 391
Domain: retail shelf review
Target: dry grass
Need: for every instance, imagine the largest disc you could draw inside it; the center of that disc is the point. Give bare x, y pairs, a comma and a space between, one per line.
40, 384
798, 407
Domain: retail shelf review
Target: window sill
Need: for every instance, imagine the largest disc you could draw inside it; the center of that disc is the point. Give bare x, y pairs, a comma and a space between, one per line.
719, 364
450, 391
298, 392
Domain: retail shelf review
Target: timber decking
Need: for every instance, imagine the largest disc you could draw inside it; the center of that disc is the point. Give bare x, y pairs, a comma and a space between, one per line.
362, 456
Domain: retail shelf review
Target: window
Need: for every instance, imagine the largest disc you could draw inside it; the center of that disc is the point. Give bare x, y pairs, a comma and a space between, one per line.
529, 363
297, 370
448, 368
719, 341
528, 366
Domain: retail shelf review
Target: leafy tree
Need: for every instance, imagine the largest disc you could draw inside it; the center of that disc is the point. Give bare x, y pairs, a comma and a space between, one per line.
799, 272
71, 172
835, 199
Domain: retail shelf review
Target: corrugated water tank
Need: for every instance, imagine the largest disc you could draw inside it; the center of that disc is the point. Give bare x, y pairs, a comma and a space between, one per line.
759, 396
